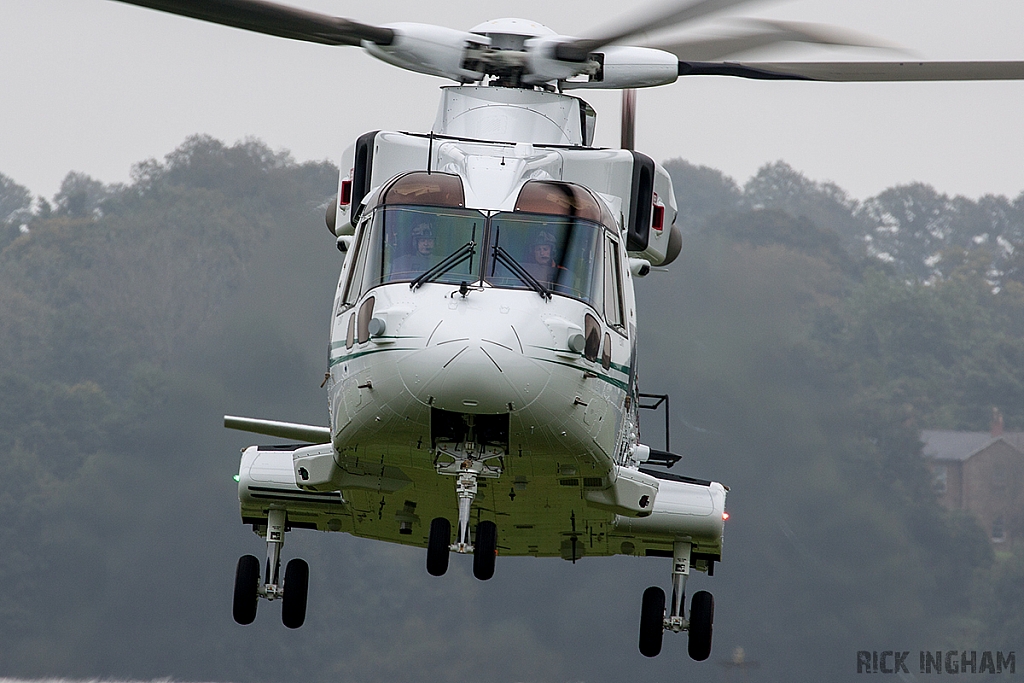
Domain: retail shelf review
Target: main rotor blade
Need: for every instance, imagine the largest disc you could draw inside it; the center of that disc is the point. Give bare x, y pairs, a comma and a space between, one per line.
669, 16
857, 72
769, 33
274, 19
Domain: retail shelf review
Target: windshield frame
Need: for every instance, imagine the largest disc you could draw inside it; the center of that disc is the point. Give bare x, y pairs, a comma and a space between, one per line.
578, 238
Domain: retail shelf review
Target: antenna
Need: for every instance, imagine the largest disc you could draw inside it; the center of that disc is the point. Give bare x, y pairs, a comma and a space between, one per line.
430, 152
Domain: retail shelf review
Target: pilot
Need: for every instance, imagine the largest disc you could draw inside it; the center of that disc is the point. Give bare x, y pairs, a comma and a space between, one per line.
421, 258
540, 262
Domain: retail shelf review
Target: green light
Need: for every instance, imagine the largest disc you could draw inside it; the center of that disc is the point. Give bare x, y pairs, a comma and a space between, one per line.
235, 478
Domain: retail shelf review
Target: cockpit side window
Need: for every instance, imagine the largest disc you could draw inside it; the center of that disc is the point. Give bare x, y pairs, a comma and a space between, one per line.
613, 286
358, 256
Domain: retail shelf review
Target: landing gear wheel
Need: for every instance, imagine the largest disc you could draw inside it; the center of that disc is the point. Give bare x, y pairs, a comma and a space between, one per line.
437, 546
247, 581
652, 621
485, 550
702, 614
296, 587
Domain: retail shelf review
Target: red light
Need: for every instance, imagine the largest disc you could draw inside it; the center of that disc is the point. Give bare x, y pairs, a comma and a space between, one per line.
725, 516
345, 197
658, 223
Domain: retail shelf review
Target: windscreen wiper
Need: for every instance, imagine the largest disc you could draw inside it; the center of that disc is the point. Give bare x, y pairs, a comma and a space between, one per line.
506, 260
456, 258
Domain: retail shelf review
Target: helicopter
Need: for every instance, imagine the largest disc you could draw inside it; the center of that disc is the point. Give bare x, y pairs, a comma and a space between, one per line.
482, 374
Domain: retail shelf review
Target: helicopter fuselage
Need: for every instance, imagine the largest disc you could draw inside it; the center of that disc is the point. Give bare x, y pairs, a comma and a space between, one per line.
496, 361
485, 313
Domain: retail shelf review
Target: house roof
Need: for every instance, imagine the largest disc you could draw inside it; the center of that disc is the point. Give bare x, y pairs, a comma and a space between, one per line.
944, 444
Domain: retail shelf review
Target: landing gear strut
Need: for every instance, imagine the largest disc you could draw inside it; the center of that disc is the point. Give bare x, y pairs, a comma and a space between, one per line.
654, 622
249, 587
467, 461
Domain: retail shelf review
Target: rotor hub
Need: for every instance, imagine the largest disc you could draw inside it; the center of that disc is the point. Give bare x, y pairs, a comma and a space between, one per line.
511, 33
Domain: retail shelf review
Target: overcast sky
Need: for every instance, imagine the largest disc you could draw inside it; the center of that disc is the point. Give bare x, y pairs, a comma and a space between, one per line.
97, 85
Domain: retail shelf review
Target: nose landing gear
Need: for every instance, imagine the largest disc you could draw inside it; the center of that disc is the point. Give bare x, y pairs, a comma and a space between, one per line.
467, 462
249, 587
654, 623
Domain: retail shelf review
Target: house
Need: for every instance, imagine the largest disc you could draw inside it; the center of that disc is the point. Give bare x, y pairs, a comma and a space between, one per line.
981, 472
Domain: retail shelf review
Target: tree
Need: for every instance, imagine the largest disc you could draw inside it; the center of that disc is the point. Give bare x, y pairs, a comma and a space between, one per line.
778, 186
15, 209
80, 196
701, 191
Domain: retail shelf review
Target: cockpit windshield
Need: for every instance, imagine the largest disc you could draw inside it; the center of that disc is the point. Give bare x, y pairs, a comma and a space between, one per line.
405, 242
552, 242
562, 253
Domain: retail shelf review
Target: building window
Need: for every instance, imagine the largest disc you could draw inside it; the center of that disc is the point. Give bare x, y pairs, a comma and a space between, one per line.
998, 530
939, 473
998, 479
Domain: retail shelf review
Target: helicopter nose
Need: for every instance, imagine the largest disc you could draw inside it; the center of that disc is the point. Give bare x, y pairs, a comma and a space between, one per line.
474, 374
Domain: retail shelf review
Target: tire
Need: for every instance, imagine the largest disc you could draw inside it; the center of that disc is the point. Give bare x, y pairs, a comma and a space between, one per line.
438, 546
652, 621
296, 588
702, 616
485, 550
247, 581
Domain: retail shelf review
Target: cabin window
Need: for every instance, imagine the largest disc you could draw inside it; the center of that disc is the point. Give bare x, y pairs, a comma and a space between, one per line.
592, 333
561, 253
405, 242
363, 323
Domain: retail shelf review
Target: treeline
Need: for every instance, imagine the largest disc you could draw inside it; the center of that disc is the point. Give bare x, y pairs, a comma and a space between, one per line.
922, 234
810, 360
931, 287
802, 359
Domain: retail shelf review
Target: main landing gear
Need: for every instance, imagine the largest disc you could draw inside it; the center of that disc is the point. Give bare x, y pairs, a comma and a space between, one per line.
467, 462
654, 622
250, 586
